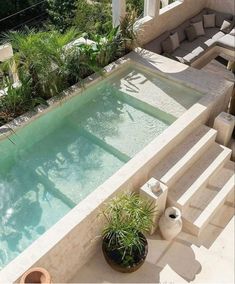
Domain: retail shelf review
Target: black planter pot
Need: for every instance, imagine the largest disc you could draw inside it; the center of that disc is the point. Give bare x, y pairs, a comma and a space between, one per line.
112, 261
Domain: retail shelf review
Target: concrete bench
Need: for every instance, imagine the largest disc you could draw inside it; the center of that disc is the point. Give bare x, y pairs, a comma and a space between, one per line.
204, 48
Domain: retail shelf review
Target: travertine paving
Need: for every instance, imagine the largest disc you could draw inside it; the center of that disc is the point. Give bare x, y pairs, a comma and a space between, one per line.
186, 259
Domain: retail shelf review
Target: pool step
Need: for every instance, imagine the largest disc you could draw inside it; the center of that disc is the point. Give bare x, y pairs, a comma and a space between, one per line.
210, 199
198, 175
107, 147
184, 155
146, 107
50, 187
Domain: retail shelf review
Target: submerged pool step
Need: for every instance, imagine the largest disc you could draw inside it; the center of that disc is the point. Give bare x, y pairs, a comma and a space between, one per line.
141, 104
107, 147
50, 187
184, 155
210, 199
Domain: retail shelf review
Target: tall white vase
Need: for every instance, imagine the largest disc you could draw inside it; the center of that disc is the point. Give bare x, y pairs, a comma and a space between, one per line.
170, 223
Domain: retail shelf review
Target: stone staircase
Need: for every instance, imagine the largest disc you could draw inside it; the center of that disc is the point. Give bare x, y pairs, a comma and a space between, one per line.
200, 177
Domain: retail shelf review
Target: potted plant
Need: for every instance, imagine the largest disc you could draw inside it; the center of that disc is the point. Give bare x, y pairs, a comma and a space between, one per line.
128, 217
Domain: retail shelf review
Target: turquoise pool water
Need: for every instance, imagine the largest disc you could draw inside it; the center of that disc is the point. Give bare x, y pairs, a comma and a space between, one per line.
49, 166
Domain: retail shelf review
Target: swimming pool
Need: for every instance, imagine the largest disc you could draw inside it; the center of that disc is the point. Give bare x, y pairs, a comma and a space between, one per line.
49, 166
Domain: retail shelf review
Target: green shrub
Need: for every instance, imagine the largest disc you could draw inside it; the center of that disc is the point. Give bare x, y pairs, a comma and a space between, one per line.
17, 99
85, 59
39, 56
137, 5
79, 63
93, 17
51, 66
128, 32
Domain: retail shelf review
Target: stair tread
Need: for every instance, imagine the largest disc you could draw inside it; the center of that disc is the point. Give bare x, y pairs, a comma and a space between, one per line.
226, 172
214, 204
183, 153
214, 190
199, 173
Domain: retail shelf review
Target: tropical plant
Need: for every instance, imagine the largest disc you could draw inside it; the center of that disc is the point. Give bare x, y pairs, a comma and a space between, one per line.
79, 62
127, 217
16, 98
53, 60
3, 74
128, 32
89, 57
109, 47
40, 56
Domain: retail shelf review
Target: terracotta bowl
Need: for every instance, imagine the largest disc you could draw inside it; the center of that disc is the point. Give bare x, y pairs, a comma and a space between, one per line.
36, 275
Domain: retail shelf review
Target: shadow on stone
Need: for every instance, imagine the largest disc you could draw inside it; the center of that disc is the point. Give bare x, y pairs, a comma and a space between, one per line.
178, 255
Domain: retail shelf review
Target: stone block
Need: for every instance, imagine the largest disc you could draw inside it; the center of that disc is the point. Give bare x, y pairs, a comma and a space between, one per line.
224, 124
155, 192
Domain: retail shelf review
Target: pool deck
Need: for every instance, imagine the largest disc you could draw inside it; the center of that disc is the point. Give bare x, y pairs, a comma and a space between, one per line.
183, 260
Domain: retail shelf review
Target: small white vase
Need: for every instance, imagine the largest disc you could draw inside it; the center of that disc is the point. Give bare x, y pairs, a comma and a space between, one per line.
154, 186
170, 223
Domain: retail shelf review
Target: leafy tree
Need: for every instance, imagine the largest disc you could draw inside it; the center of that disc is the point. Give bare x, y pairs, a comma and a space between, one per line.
94, 17
61, 13
137, 5
89, 16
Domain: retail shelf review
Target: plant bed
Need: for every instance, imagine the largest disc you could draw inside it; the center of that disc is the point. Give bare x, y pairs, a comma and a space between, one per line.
48, 62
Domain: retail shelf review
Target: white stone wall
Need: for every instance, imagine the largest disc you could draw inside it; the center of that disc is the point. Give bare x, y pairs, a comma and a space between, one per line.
173, 15
168, 18
6, 52
118, 10
227, 6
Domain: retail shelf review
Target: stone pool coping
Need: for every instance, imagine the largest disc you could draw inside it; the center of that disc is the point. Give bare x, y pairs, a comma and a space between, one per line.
68, 244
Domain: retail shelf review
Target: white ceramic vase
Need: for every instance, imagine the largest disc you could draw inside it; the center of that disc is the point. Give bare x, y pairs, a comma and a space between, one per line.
170, 223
